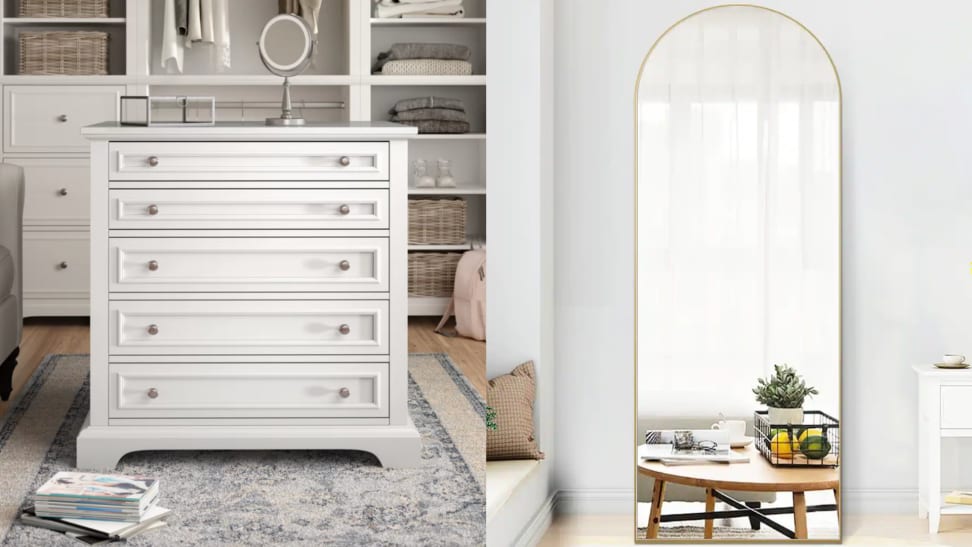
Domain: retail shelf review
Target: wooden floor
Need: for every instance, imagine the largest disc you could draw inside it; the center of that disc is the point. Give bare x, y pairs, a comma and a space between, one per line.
44, 336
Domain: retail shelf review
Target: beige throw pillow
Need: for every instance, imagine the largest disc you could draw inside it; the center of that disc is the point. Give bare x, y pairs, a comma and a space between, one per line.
511, 398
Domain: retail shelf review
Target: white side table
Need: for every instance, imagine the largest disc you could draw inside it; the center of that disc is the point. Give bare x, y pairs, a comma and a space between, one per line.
944, 410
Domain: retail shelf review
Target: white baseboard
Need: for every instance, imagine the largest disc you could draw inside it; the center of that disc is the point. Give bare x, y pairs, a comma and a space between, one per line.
594, 501
538, 525
879, 502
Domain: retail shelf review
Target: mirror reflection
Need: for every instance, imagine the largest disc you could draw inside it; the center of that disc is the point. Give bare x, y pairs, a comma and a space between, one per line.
738, 279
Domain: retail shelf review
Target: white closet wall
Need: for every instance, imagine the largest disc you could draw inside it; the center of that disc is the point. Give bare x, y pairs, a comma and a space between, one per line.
349, 40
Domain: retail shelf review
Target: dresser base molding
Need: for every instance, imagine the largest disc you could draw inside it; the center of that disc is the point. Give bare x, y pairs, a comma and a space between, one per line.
395, 446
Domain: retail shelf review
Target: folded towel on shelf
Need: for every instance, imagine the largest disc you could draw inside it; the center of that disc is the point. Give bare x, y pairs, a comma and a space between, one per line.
442, 12
443, 114
387, 9
417, 103
427, 67
398, 52
438, 126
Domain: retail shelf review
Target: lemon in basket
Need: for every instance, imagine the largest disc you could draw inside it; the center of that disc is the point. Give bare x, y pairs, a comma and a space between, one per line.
781, 445
809, 433
815, 447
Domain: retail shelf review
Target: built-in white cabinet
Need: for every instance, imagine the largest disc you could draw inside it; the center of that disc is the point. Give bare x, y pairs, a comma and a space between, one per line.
42, 117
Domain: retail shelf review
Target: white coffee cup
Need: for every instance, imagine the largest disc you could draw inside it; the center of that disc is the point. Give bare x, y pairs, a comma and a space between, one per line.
736, 428
953, 359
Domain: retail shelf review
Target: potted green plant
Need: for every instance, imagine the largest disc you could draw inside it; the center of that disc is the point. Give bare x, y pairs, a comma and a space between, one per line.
783, 394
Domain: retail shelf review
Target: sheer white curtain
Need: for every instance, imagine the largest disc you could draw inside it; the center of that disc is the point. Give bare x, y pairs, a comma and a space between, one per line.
738, 214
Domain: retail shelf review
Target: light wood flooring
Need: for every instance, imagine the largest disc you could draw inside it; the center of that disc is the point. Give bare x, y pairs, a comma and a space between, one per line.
864, 530
44, 336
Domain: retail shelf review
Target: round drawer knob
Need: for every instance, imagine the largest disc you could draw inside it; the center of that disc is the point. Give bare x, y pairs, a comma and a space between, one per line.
344, 329
345, 161
62, 192
153, 161
152, 209
152, 393
153, 265
63, 265
344, 392
344, 209
62, 118
344, 265
153, 329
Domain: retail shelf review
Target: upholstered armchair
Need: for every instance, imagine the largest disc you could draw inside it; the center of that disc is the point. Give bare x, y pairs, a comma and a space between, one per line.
11, 267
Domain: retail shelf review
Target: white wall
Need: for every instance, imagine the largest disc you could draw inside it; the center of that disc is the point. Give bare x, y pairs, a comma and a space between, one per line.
907, 79
520, 220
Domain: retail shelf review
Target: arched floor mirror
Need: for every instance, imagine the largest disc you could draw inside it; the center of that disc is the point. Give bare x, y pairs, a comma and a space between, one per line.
738, 272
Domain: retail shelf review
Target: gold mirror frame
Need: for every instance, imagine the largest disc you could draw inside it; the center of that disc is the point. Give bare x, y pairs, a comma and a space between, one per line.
840, 181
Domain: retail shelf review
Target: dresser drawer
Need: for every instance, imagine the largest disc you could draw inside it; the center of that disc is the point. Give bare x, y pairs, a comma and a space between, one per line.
57, 192
268, 264
207, 161
49, 118
252, 390
249, 209
246, 327
56, 264
957, 407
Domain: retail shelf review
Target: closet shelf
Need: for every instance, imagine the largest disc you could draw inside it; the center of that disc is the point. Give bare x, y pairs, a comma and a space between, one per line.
460, 247
378, 79
460, 190
64, 20
427, 21
49, 79
427, 305
248, 79
449, 137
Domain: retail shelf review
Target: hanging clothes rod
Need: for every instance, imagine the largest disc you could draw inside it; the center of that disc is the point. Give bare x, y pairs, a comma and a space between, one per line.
276, 104
243, 105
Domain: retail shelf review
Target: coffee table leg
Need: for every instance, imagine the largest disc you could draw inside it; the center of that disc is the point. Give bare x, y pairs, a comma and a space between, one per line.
709, 507
800, 515
654, 517
837, 501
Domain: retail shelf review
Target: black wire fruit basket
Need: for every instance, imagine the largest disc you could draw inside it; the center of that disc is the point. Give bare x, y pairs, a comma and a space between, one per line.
814, 443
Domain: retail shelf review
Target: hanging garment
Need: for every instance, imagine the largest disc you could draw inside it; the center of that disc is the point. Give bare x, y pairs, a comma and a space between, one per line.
206, 18
310, 10
221, 34
182, 16
194, 25
172, 52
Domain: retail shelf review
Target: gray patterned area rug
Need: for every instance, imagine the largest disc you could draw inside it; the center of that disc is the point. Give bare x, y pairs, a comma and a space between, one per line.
269, 497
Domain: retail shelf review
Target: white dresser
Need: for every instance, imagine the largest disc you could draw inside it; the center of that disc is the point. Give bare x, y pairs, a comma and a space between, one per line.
248, 290
944, 410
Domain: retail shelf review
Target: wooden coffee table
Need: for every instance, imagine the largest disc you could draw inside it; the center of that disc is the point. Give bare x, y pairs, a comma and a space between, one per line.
755, 476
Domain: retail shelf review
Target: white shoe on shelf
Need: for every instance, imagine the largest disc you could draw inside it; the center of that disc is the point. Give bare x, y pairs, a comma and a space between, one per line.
421, 177
445, 179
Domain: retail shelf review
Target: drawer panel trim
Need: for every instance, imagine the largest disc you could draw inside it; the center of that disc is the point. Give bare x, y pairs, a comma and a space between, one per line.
210, 327
346, 161
249, 264
256, 390
248, 209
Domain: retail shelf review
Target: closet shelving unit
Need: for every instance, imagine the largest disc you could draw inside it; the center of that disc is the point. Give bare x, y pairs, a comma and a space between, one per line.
467, 152
349, 40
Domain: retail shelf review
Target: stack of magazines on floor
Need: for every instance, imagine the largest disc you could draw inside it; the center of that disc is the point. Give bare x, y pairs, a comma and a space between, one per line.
432, 114
419, 8
96, 509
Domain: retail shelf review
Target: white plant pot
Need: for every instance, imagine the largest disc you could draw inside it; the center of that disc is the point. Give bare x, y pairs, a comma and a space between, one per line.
782, 416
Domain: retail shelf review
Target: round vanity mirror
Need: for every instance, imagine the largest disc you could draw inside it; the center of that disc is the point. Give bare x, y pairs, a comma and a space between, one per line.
286, 48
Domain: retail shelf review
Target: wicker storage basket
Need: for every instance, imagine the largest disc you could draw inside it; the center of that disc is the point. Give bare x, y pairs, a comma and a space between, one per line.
432, 274
63, 52
63, 8
436, 221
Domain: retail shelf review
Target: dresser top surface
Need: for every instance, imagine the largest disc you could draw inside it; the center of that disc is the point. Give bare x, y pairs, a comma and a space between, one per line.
247, 131
932, 370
